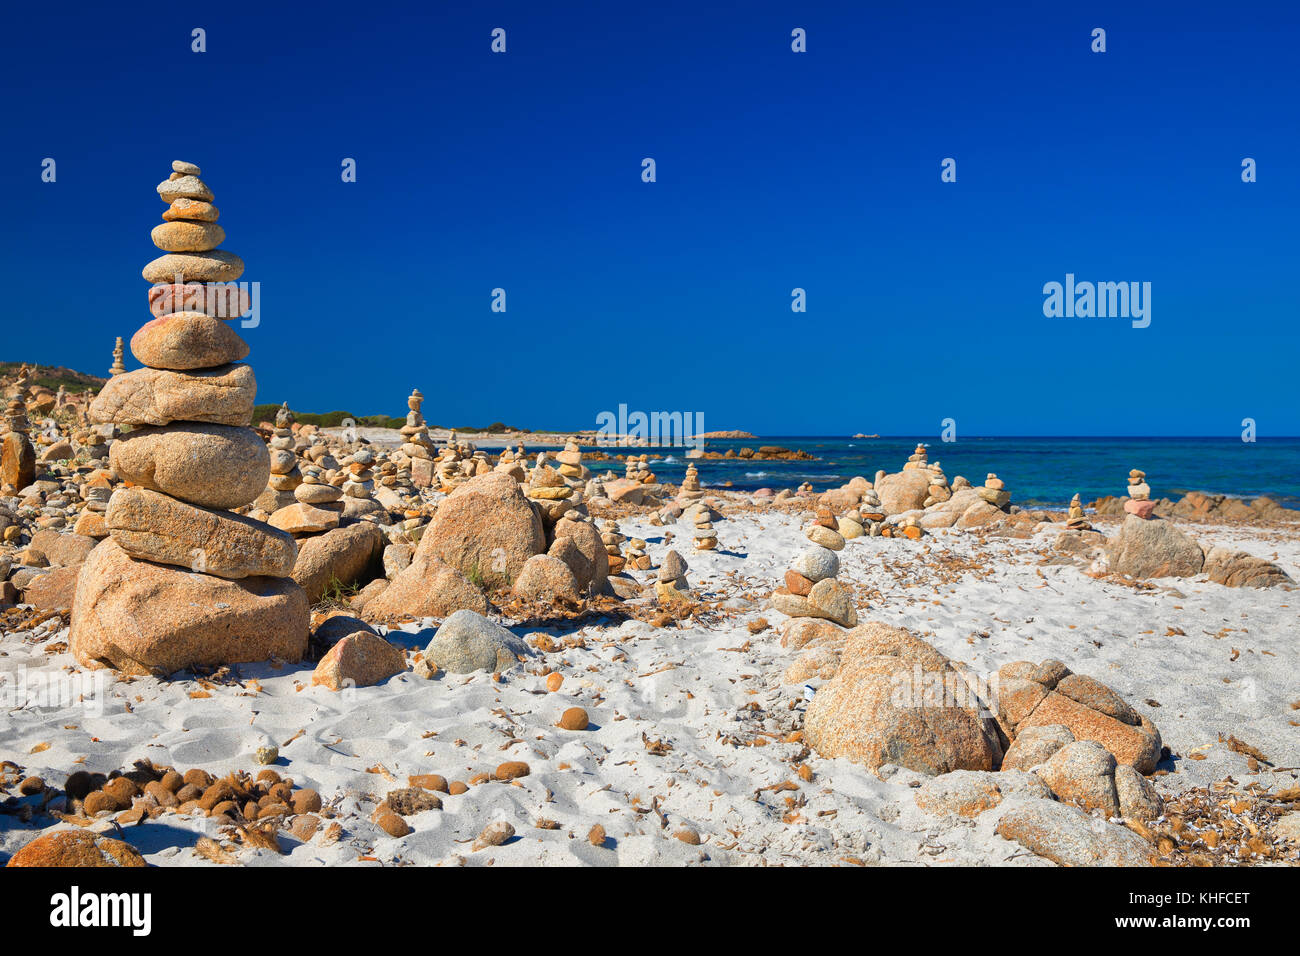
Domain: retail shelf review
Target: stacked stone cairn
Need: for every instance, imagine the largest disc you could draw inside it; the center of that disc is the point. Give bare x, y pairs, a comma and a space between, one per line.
18, 457
513, 462
671, 586
918, 459
805, 489
825, 530
572, 470
871, 513
706, 538
994, 491
1139, 494
182, 581
811, 589
119, 351
611, 538
1074, 519
939, 489
636, 558
548, 490
690, 491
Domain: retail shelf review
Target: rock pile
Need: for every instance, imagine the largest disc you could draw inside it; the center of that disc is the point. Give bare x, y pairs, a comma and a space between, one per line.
1139, 494
571, 468
671, 586
994, 491
610, 539
811, 589
1074, 519
182, 581
1044, 698
871, 513
690, 491
18, 456
706, 538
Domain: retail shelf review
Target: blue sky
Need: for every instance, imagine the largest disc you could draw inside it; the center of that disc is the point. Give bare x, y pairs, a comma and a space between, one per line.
775, 170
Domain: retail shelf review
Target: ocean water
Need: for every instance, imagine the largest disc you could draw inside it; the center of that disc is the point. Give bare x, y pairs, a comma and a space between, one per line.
1037, 471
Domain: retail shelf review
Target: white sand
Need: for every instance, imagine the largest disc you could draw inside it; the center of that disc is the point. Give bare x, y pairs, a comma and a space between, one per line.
707, 692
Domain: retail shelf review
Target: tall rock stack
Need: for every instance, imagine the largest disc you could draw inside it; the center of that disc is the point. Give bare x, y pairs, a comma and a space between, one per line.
181, 581
118, 367
918, 459
690, 491
571, 468
18, 457
1074, 519
1139, 494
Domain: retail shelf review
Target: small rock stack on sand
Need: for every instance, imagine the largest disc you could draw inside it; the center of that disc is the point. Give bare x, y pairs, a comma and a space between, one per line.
1139, 493
706, 538
181, 581
871, 513
671, 586
690, 491
1074, 519
611, 538
812, 591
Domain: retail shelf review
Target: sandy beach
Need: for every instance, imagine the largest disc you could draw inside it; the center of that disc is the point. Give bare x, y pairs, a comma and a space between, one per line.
693, 754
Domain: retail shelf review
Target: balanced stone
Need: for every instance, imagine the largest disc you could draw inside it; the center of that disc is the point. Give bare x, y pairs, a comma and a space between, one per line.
213, 466
192, 210
184, 187
182, 341
222, 395
1075, 519
185, 236
216, 265
219, 299
151, 526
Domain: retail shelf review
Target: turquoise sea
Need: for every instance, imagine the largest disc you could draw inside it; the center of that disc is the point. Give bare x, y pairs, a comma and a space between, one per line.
1037, 471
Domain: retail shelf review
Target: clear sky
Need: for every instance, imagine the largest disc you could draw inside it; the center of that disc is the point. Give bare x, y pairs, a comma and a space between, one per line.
776, 170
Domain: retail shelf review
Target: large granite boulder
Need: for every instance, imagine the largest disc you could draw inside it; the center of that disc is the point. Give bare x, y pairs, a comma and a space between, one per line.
1153, 548
897, 700
486, 530
340, 557
1048, 694
904, 491
1237, 569
427, 587
143, 618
